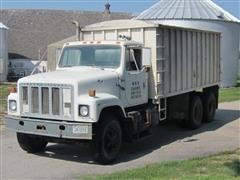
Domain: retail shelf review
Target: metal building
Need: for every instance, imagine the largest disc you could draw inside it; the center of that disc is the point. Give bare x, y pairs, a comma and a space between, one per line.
205, 15
3, 52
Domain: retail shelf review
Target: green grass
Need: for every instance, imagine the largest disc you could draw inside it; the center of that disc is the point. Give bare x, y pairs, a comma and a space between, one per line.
217, 167
229, 94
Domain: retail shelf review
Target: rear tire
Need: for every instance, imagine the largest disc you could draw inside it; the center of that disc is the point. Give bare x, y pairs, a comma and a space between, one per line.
106, 143
30, 143
196, 112
209, 107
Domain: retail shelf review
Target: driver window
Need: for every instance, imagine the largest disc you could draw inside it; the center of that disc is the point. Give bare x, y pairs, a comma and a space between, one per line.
138, 57
131, 56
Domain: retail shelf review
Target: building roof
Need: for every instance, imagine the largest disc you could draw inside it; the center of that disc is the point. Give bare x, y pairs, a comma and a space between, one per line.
31, 31
185, 10
2, 26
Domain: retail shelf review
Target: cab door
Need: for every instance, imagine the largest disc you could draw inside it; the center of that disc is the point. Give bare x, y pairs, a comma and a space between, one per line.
136, 78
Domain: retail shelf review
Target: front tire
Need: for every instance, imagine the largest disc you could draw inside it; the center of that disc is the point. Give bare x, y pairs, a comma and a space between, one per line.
30, 143
106, 143
196, 112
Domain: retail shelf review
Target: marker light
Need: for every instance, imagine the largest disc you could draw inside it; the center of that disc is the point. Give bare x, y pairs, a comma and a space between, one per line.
92, 93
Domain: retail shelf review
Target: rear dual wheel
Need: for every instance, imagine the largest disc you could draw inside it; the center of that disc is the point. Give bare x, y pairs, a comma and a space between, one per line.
209, 107
202, 109
196, 112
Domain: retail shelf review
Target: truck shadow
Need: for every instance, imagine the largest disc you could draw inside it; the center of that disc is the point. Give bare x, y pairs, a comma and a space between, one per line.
166, 133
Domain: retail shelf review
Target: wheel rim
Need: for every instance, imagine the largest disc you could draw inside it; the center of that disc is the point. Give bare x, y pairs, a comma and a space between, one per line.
111, 140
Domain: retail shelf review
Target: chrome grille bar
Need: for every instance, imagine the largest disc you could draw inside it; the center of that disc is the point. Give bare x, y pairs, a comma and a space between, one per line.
35, 100
45, 100
56, 101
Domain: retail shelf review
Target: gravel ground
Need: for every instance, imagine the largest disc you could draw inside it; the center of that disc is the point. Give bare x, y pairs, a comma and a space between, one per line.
167, 143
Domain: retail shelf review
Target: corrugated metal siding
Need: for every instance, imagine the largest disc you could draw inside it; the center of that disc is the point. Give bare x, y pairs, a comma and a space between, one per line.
186, 9
3, 52
186, 60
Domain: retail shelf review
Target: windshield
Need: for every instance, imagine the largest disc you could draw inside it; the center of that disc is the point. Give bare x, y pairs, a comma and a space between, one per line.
105, 56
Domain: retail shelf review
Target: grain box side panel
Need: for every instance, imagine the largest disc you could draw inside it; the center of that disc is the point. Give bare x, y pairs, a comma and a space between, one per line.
87, 36
189, 60
179, 76
98, 35
172, 69
218, 58
166, 45
203, 55
193, 60
184, 60
199, 60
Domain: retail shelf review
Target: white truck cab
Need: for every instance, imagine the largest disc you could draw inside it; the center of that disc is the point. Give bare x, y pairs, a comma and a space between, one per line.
91, 77
105, 91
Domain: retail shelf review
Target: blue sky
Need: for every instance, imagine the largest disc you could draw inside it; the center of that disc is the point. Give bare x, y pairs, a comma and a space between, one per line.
132, 6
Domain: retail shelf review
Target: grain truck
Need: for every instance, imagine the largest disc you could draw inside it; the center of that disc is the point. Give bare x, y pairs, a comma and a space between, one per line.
117, 83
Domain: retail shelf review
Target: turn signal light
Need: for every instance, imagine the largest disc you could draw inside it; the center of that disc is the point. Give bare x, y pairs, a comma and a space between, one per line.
92, 93
12, 90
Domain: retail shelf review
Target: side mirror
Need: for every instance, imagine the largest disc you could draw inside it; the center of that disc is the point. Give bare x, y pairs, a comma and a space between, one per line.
146, 57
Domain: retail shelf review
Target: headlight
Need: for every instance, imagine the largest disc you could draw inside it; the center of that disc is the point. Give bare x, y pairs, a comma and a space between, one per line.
12, 105
83, 111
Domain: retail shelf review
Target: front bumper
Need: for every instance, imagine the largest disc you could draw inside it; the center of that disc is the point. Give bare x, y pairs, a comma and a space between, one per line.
57, 129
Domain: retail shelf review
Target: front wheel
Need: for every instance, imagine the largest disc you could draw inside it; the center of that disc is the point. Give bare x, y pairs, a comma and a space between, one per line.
30, 143
107, 141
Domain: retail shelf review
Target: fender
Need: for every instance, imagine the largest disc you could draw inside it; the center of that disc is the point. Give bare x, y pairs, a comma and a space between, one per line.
97, 104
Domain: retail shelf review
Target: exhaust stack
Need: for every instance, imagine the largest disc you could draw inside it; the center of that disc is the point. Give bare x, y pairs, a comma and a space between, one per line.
78, 30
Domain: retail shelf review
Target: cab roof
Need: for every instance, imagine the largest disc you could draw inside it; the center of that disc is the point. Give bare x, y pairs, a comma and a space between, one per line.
118, 42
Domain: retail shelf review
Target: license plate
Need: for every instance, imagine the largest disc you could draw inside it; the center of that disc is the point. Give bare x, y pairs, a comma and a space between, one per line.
80, 129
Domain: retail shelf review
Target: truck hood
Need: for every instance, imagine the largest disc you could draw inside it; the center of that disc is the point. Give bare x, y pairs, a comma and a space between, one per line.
71, 76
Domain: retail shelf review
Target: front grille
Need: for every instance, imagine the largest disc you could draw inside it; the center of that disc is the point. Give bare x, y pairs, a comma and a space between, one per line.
46, 101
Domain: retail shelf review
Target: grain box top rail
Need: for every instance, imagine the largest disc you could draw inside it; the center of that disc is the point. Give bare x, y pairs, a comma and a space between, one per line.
133, 24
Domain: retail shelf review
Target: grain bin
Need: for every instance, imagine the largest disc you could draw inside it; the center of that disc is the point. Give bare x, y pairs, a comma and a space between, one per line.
3, 53
205, 15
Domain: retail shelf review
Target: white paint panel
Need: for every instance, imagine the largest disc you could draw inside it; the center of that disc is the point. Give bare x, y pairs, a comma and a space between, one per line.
111, 35
137, 35
87, 36
98, 35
